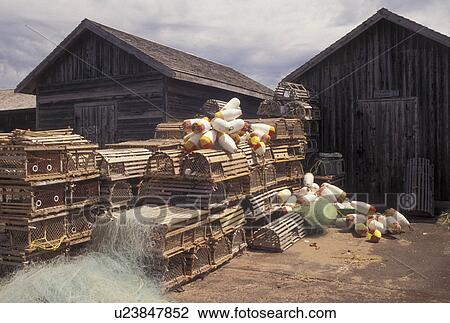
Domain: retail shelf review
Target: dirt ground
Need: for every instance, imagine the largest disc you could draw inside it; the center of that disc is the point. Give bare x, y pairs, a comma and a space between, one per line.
413, 267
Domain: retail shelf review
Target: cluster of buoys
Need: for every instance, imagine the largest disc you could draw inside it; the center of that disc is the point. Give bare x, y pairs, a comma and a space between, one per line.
362, 217
224, 130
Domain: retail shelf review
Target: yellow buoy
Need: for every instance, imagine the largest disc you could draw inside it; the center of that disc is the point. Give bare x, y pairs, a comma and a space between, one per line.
373, 236
208, 139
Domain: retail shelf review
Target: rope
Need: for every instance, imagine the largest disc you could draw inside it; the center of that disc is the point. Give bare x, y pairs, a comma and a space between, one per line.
44, 244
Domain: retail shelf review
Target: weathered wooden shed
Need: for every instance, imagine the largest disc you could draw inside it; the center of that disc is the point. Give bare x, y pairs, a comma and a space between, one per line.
112, 86
384, 91
17, 110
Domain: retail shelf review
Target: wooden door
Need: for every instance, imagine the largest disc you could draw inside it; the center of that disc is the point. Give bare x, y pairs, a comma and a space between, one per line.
96, 122
386, 136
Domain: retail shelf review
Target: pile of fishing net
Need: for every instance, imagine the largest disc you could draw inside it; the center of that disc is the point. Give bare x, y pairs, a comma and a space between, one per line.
112, 271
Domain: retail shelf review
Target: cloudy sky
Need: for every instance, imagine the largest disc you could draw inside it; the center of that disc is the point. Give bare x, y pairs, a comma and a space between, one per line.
264, 39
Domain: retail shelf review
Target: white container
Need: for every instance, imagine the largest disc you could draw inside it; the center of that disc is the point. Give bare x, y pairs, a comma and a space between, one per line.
236, 125
264, 128
193, 143
308, 179
283, 195
208, 139
201, 126
234, 103
220, 125
226, 143
229, 114
363, 208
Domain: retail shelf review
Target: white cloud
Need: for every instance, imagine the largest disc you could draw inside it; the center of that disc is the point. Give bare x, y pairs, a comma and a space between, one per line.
263, 39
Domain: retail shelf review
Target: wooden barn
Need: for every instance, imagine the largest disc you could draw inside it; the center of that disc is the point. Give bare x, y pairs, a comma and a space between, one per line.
111, 86
17, 110
384, 92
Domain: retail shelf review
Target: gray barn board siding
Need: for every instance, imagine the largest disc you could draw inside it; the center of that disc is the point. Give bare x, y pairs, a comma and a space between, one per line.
416, 66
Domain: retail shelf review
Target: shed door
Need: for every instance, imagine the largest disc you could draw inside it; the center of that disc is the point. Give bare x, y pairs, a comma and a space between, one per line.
386, 137
96, 122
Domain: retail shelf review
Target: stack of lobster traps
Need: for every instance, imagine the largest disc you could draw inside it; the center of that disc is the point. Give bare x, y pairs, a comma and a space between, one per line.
183, 243
292, 100
121, 171
48, 182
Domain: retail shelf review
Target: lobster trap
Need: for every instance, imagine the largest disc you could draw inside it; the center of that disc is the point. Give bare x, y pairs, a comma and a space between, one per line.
151, 145
290, 151
39, 163
214, 165
21, 199
260, 205
279, 235
329, 167
261, 178
169, 130
43, 237
191, 194
253, 160
284, 128
212, 106
116, 194
289, 171
164, 164
120, 164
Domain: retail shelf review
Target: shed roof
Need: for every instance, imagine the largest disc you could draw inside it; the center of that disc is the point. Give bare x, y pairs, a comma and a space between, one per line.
169, 61
16, 101
383, 13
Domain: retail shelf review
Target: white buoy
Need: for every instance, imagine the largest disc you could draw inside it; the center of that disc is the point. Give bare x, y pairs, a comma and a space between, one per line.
363, 208
337, 192
193, 143
356, 218
401, 219
315, 187
229, 114
201, 126
361, 229
236, 125
262, 136
308, 179
326, 193
187, 124
393, 226
226, 142
376, 225
208, 139
291, 201
283, 195
259, 148
264, 128
308, 199
234, 103
220, 125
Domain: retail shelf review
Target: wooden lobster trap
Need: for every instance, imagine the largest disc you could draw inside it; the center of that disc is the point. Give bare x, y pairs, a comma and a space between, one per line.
212, 106
280, 234
43, 237
42, 163
5, 138
284, 128
25, 199
151, 145
312, 127
117, 194
183, 193
164, 164
169, 130
253, 159
214, 165
261, 178
226, 222
120, 164
260, 205
289, 171
293, 150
